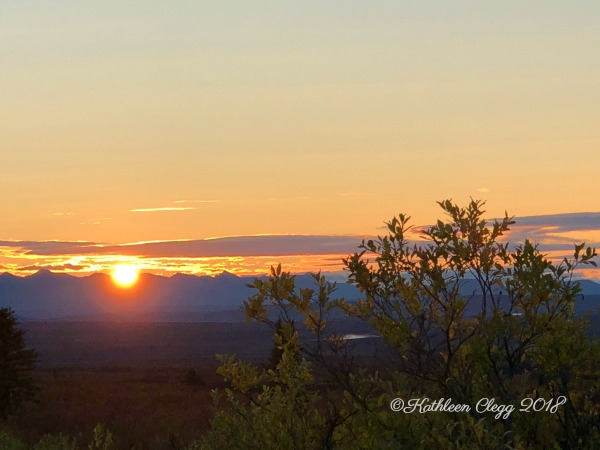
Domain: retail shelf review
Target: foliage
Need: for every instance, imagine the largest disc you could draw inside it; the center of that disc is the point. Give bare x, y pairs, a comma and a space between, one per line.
101, 439
10, 443
16, 365
56, 442
465, 317
277, 406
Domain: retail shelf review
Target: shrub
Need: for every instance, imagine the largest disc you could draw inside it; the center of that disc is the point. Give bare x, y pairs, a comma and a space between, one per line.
465, 317
101, 439
56, 442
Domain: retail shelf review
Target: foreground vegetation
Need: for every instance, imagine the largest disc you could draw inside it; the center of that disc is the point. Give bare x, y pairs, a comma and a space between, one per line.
523, 350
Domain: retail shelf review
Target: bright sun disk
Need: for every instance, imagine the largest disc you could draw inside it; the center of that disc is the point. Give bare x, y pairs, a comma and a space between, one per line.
125, 275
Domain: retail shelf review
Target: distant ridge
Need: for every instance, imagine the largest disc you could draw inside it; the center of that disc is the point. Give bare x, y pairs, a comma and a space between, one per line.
56, 296
46, 295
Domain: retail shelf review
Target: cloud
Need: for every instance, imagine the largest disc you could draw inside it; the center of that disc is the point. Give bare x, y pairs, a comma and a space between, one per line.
551, 231
252, 246
216, 247
53, 267
96, 221
563, 222
52, 247
556, 235
197, 201
356, 194
166, 208
557, 231
483, 190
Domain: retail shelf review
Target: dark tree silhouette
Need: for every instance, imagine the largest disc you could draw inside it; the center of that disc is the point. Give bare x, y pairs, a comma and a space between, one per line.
16, 365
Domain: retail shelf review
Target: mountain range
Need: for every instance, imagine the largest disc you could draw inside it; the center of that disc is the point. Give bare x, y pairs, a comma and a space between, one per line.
186, 298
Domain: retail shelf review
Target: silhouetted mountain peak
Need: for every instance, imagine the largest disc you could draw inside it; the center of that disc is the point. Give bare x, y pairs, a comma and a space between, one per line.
45, 274
42, 273
7, 276
589, 287
183, 276
98, 275
226, 275
150, 276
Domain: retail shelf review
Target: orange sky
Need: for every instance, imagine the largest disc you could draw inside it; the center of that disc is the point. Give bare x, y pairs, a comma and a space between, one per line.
122, 122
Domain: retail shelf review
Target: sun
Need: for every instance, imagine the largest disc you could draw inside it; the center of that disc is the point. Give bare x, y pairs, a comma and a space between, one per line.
125, 275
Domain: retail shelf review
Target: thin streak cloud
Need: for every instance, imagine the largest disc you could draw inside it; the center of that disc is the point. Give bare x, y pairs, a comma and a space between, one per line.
197, 201
167, 208
356, 194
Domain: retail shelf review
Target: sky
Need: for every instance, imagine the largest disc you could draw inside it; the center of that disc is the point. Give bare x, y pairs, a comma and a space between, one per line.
126, 121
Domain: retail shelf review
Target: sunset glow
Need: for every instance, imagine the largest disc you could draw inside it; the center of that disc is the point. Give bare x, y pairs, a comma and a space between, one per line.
125, 275
247, 126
